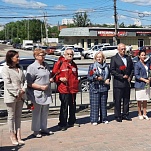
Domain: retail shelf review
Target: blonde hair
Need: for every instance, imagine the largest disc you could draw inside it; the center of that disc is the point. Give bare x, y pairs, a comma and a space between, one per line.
99, 52
37, 51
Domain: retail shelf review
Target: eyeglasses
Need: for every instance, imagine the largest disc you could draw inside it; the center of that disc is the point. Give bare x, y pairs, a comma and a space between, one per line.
69, 54
42, 55
123, 49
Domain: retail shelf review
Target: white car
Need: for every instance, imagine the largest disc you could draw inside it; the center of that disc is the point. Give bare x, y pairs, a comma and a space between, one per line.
93, 48
77, 54
108, 51
26, 61
58, 52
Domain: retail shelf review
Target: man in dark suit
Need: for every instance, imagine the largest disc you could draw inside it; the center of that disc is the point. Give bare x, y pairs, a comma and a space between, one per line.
121, 67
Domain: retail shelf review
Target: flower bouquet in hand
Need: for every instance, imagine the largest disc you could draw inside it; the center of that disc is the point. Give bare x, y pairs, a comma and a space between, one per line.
122, 68
29, 104
92, 72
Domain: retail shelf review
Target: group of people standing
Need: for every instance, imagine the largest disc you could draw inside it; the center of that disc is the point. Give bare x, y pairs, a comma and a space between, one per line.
122, 70
36, 87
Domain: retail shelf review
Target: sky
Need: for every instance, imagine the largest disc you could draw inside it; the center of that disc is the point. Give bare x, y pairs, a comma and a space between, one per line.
99, 11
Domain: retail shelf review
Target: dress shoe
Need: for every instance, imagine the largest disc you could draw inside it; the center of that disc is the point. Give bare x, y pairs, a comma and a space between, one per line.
62, 128
126, 118
118, 119
74, 125
37, 134
47, 132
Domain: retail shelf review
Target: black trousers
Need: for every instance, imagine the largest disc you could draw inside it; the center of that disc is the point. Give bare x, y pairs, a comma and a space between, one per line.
67, 100
120, 94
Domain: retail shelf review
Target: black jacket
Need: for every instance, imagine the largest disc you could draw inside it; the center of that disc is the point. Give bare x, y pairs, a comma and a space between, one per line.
117, 73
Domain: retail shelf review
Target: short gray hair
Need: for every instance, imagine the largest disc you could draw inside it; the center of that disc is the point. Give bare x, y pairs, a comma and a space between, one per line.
69, 48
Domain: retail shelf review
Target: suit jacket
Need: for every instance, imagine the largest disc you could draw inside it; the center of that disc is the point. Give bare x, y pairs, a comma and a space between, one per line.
115, 67
140, 72
13, 82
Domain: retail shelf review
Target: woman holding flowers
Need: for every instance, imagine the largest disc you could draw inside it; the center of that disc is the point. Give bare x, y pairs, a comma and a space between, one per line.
99, 77
142, 84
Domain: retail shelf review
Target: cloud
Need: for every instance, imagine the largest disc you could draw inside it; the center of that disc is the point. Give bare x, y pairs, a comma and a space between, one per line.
138, 2
122, 17
59, 7
25, 3
84, 10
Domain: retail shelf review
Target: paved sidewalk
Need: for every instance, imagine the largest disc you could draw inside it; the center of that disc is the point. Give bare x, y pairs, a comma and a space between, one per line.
126, 136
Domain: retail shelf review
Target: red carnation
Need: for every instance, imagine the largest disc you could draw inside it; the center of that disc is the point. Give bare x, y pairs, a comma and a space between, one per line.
150, 67
122, 67
30, 106
91, 72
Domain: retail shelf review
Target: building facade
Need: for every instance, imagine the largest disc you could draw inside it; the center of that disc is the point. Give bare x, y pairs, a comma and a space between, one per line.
88, 36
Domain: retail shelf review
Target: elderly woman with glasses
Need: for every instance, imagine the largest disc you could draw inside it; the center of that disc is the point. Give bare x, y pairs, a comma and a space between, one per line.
39, 92
65, 74
99, 77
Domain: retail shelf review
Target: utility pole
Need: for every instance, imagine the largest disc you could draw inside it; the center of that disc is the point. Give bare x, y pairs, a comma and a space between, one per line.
45, 22
115, 22
41, 34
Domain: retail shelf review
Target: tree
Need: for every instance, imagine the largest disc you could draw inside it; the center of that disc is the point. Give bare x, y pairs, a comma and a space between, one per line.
122, 25
81, 19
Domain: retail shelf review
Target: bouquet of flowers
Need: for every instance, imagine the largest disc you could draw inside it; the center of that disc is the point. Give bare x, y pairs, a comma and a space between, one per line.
92, 72
122, 67
30, 105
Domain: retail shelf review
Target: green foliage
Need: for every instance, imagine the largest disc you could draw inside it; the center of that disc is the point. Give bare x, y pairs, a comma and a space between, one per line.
53, 32
81, 20
33, 29
16, 40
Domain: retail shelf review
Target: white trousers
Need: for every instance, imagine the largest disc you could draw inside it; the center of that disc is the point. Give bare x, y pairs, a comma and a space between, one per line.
14, 115
39, 117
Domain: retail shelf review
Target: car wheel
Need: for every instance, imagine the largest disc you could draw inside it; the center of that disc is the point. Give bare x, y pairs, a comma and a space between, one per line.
84, 85
86, 56
1, 89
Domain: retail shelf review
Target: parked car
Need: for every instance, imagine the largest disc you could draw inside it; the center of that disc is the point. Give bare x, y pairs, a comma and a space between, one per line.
79, 49
77, 53
50, 50
17, 45
108, 51
93, 48
146, 48
26, 61
59, 52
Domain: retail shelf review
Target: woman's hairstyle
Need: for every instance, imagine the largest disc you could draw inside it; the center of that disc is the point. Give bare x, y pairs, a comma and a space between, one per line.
37, 51
9, 55
69, 48
141, 52
99, 52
